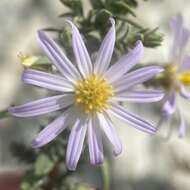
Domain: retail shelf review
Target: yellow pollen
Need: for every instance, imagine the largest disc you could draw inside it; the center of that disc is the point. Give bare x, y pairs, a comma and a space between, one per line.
92, 94
184, 77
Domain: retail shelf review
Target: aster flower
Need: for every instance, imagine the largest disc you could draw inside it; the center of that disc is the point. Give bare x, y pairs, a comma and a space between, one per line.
176, 77
89, 95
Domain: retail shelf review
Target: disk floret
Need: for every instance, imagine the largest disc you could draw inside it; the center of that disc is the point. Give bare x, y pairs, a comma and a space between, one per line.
93, 93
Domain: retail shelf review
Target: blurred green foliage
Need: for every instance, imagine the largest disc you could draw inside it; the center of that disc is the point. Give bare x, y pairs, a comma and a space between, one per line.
93, 24
47, 170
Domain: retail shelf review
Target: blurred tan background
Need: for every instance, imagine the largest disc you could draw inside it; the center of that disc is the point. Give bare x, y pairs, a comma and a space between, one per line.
148, 162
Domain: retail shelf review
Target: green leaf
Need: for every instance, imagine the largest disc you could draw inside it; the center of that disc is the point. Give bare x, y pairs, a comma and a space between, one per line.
102, 17
131, 3
152, 38
43, 165
65, 38
130, 21
119, 7
97, 4
68, 14
4, 114
75, 5
25, 186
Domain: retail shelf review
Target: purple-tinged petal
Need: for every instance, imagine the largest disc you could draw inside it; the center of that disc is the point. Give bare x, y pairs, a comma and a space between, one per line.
75, 144
52, 130
42, 106
169, 106
56, 55
81, 54
110, 132
185, 64
140, 96
184, 93
95, 142
135, 77
182, 127
135, 121
180, 38
125, 63
184, 38
106, 50
165, 123
176, 25
46, 80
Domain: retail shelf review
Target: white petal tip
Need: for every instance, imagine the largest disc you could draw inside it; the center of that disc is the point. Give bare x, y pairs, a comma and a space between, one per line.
11, 110
117, 153
139, 43
139, 48
161, 96
161, 69
112, 21
69, 22
96, 163
71, 167
35, 144
41, 34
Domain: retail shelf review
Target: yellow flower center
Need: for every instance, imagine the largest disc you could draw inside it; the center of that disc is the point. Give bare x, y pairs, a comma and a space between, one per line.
92, 94
168, 77
184, 77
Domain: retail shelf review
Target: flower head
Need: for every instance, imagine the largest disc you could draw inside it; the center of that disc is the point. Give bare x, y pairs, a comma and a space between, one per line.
177, 72
89, 95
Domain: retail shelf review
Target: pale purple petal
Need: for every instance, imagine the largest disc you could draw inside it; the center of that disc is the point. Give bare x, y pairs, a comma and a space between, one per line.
135, 121
142, 96
56, 55
169, 106
110, 132
185, 64
125, 63
184, 93
176, 25
52, 130
184, 38
95, 142
182, 127
75, 144
106, 50
166, 123
135, 77
42, 106
46, 80
180, 38
81, 54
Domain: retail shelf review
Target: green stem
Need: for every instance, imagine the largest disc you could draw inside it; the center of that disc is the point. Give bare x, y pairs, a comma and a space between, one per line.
106, 175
